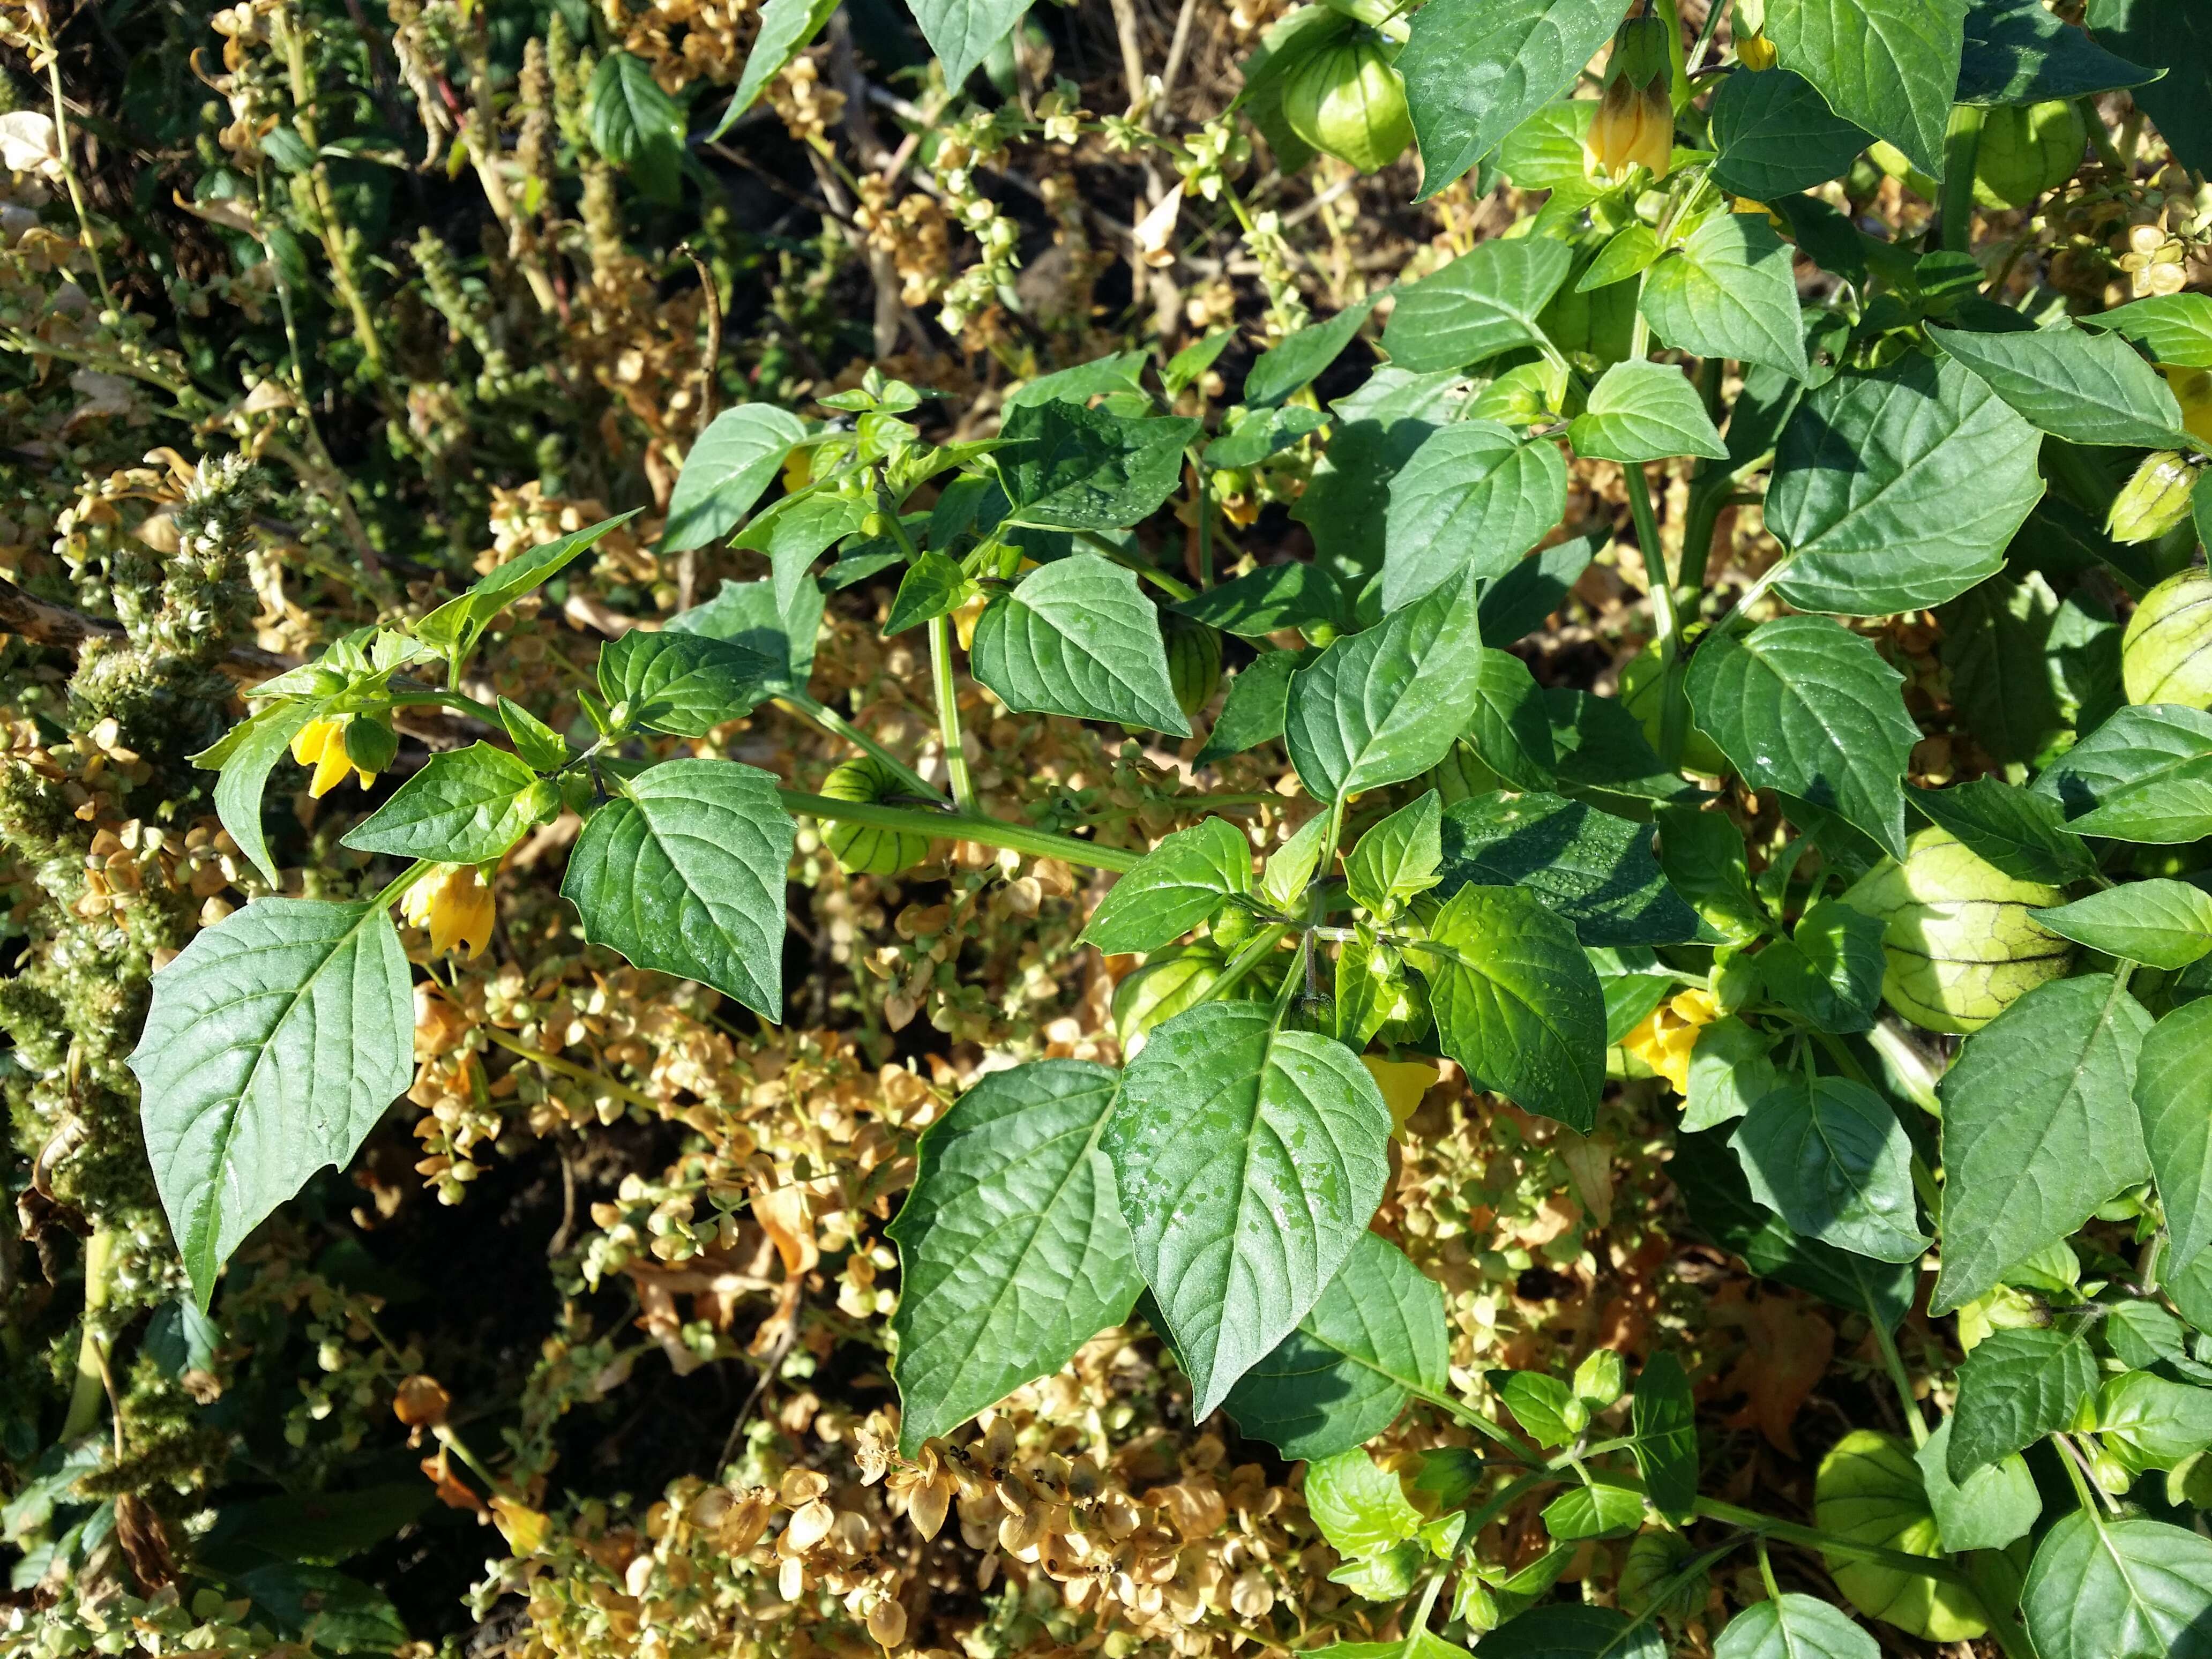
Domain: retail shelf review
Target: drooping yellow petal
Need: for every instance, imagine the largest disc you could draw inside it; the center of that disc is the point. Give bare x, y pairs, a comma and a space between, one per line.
331, 768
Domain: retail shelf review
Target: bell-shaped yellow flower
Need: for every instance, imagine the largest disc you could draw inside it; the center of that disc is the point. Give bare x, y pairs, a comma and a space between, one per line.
455, 905
1634, 126
1755, 52
1668, 1033
1402, 1083
320, 744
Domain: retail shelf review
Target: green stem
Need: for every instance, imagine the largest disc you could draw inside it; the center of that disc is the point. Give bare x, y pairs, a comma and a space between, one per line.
1249, 955
84, 231
569, 1068
1962, 143
1924, 1566
90, 1387
1204, 476
961, 826
1675, 711
1174, 588
405, 879
1893, 1363
1766, 1566
1482, 1425
829, 719
948, 713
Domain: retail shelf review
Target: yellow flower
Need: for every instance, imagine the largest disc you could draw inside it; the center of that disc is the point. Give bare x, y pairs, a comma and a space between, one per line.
1755, 52
321, 744
1634, 126
455, 905
1402, 1083
1668, 1033
2192, 390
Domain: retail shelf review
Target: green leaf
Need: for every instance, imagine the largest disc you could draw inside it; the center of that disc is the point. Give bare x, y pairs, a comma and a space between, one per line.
635, 125
735, 459
2175, 329
1731, 1067
1078, 638
2039, 1128
1012, 1251
1250, 1160
1516, 603
1803, 705
1890, 66
1360, 1507
1545, 152
1987, 1510
465, 806
1634, 984
1263, 433
1775, 136
1475, 69
1664, 1419
332, 1611
1543, 1405
1068, 467
1868, 1490
2174, 1099
1603, 1509
1176, 886
1727, 291
1702, 855
1301, 357
1399, 857
1473, 498
320, 1528
1380, 706
1997, 644
2145, 774
1571, 1630
274, 1043
2177, 35
1595, 871
1831, 1159
933, 586
1116, 374
1380, 426
1269, 599
1184, 369
2150, 1422
2015, 1388
1253, 712
785, 27
2085, 387
1899, 488
1510, 730
1640, 410
2160, 923
1376, 1335
2018, 52
1484, 302
1830, 968
2119, 1589
779, 628
244, 779
1517, 1002
685, 684
459, 622
1793, 1626
684, 873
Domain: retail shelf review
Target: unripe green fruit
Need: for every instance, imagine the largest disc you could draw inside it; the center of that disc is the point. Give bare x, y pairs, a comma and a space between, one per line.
1960, 945
2153, 501
1193, 660
2027, 150
1170, 981
1640, 685
1346, 101
862, 848
2165, 656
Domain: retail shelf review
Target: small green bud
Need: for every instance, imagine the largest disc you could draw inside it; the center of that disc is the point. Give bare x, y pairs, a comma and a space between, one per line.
1575, 1415
370, 743
542, 800
1639, 52
2154, 501
2165, 656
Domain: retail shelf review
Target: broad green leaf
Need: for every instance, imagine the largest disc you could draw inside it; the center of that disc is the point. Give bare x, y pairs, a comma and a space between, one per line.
1803, 705
1899, 488
1250, 1160
1473, 498
1066, 466
2085, 387
1301, 357
1598, 744
1631, 252
1545, 152
686, 684
785, 27
1116, 373
465, 806
1176, 886
1272, 598
1793, 1626
1574, 1629
1517, 1002
1376, 1335
2119, 1589
1374, 993
1516, 603
684, 873
2173, 1098
2017, 51
1832, 1160
1997, 644
933, 586
1830, 968
2160, 923
1012, 1251
2175, 329
1484, 302
2039, 1128
781, 628
1640, 410
1543, 1405
459, 622
2015, 1388
274, 1043
1634, 984
1727, 291
332, 1611
1253, 712
1399, 857
1603, 1509
2144, 774
1988, 1510
2151, 1422
1379, 428
1383, 705
635, 125
1185, 368
1595, 871
1890, 66
1702, 856
1775, 136
1475, 69
1290, 869
1510, 730
320, 1528
1360, 1507
244, 779
735, 459
1664, 1419
1731, 1067
1261, 434
2176, 36
1868, 1490
1078, 637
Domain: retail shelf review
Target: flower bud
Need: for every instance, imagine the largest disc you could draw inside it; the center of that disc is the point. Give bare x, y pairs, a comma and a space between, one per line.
1634, 126
1959, 943
1347, 101
1755, 52
2153, 501
862, 848
1639, 52
2165, 656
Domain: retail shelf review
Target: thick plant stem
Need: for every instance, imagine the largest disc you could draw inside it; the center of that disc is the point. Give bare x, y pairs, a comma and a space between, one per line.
1675, 709
961, 826
1893, 1363
948, 713
90, 1386
1962, 144
836, 725
1923, 1566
